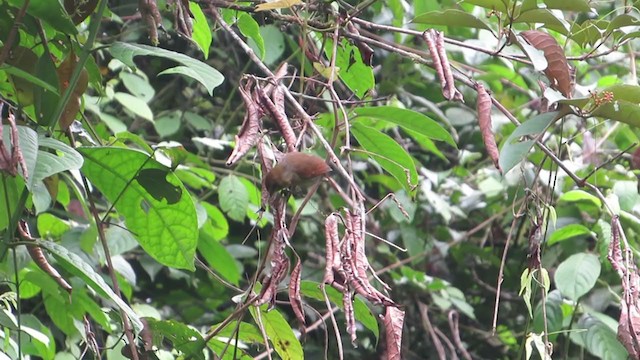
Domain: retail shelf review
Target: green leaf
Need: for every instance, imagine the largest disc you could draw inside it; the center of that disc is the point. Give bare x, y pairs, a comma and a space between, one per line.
279, 332
78, 267
45, 101
599, 339
579, 196
50, 11
357, 75
201, 31
408, 119
577, 275
498, 5
389, 154
513, 152
545, 17
246, 332
273, 36
155, 205
621, 21
568, 5
181, 336
361, 311
134, 104
12, 70
568, 232
249, 27
209, 77
28, 141
219, 224
218, 258
452, 18
620, 110
553, 311
168, 123
137, 86
233, 197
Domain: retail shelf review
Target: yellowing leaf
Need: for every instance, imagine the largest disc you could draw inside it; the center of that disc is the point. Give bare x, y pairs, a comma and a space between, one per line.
279, 4
324, 70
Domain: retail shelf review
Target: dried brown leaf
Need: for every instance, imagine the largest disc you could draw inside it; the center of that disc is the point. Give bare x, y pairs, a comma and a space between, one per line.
65, 70
332, 255
38, 257
484, 121
250, 130
557, 71
281, 119
349, 314
9, 161
294, 292
393, 323
151, 16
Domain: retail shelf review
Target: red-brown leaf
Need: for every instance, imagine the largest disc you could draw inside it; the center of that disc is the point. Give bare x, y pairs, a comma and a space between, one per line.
393, 323
484, 121
248, 134
294, 292
557, 70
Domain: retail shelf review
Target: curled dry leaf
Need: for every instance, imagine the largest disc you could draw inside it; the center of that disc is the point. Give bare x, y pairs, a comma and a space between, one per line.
65, 70
38, 257
280, 117
11, 156
294, 292
393, 323
332, 256
183, 18
435, 43
279, 268
484, 121
248, 134
557, 71
629, 321
274, 81
349, 314
151, 16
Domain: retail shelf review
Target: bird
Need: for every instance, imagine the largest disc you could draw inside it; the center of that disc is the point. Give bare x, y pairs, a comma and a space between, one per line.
295, 169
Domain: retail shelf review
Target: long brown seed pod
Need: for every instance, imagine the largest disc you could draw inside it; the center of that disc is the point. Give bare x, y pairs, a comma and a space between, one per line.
484, 120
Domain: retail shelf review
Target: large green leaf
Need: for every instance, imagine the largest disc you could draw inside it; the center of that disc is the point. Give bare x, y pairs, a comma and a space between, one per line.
388, 153
577, 275
357, 75
279, 332
50, 11
209, 77
451, 17
218, 258
201, 31
156, 207
568, 232
183, 337
513, 152
408, 119
498, 5
78, 267
599, 339
48, 163
233, 197
546, 17
569, 5
250, 28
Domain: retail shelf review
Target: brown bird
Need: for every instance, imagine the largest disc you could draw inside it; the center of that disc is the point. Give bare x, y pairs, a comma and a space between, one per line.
295, 169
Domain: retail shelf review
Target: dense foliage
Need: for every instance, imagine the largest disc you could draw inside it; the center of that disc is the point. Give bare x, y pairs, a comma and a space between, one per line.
482, 201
